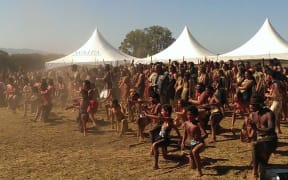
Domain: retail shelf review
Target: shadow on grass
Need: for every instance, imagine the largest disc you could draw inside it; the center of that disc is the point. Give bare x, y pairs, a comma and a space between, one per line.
55, 121
101, 122
222, 170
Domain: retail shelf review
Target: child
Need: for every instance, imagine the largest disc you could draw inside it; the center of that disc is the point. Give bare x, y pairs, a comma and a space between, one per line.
197, 134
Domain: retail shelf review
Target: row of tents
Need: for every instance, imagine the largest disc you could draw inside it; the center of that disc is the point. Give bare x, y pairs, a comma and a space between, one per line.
265, 44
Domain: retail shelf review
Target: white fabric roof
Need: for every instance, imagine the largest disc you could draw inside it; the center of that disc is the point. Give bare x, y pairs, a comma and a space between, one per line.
266, 43
95, 51
185, 46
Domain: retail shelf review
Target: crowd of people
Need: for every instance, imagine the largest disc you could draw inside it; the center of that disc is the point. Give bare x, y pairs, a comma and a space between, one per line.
198, 97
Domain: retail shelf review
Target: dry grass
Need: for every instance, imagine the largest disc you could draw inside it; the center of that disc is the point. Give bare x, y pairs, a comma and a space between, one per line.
57, 150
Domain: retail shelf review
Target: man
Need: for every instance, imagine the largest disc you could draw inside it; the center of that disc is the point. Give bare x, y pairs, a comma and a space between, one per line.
143, 121
203, 104
262, 120
197, 134
216, 103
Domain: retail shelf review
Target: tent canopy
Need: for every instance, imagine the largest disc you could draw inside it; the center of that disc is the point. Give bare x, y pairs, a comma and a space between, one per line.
95, 51
185, 47
266, 43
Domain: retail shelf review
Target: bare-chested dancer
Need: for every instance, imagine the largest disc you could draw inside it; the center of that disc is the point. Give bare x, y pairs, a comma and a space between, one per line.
197, 134
262, 120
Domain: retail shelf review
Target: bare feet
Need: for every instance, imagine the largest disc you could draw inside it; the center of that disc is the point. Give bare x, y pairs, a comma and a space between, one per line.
255, 175
233, 130
156, 167
199, 174
212, 141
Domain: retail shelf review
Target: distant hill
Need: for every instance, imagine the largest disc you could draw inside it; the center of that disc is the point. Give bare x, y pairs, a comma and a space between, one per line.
24, 51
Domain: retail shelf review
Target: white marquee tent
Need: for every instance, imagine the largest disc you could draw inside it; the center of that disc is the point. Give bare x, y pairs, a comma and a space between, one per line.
185, 47
94, 52
266, 43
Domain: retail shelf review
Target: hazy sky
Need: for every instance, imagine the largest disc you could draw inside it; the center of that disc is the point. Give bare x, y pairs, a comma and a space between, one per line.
62, 26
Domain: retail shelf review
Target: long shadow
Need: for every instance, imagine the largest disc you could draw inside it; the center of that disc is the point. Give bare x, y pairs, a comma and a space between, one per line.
180, 160
102, 122
183, 160
222, 170
92, 130
206, 161
55, 121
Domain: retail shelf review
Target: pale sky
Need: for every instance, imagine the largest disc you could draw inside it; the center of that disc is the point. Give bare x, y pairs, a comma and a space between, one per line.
63, 26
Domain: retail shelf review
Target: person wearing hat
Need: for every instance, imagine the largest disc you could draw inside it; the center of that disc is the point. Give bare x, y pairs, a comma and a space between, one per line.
262, 121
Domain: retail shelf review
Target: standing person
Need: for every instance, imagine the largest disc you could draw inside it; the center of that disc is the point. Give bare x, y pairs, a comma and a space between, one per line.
216, 103
186, 84
140, 81
62, 91
2, 91
11, 94
143, 121
124, 87
83, 114
242, 98
197, 134
93, 96
120, 118
35, 104
153, 79
163, 138
26, 93
262, 120
171, 85
44, 101
108, 86
51, 95
181, 113
276, 95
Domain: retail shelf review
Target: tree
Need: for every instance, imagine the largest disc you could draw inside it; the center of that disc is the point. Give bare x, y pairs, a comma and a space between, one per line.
159, 38
135, 44
151, 40
4, 62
